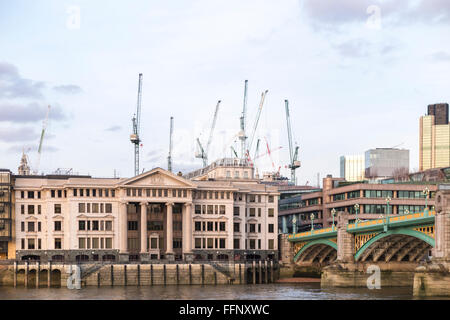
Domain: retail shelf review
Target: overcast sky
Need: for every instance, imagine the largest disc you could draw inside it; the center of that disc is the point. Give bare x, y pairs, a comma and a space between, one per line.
358, 74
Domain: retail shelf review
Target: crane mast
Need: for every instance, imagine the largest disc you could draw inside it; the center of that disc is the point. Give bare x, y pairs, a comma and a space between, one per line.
203, 154
293, 153
255, 125
134, 137
242, 135
169, 158
44, 127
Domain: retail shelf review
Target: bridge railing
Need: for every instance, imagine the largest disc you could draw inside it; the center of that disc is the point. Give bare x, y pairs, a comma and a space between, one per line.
319, 233
396, 220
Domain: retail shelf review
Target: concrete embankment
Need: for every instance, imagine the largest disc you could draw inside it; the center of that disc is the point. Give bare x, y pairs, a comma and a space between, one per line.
432, 281
48, 275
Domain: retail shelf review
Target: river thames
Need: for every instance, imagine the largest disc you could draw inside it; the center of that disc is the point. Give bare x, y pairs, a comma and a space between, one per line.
303, 291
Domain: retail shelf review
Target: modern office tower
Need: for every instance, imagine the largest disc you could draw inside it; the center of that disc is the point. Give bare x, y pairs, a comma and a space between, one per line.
352, 167
386, 162
434, 140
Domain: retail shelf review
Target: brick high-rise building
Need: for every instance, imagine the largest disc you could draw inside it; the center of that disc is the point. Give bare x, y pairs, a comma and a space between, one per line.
440, 113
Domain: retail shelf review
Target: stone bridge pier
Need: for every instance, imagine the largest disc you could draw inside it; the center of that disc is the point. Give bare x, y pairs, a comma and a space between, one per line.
433, 279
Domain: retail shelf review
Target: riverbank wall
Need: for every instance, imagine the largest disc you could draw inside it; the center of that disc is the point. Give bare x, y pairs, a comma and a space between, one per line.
36, 275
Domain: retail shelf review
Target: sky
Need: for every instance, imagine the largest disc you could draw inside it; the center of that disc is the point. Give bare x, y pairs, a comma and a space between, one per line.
358, 74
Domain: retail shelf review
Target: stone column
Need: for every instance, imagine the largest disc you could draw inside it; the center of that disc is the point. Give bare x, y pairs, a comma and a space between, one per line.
123, 226
345, 240
144, 248
441, 250
169, 232
284, 224
187, 231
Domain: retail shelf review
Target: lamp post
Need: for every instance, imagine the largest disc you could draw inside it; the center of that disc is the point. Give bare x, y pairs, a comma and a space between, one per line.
388, 199
333, 214
356, 206
312, 222
406, 211
426, 191
294, 224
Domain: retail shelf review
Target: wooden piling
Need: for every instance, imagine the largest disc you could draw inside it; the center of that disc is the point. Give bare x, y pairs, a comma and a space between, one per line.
254, 271
37, 274
151, 274
266, 276
203, 274
98, 279
177, 271
15, 274
49, 275
26, 274
190, 273
164, 269
125, 275
240, 273
138, 274
271, 271
112, 275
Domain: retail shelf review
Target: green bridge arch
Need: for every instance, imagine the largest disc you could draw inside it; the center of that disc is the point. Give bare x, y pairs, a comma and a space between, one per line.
313, 243
402, 231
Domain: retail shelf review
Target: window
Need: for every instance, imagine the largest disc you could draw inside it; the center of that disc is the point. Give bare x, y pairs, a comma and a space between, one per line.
39, 244
270, 227
177, 225
270, 212
154, 243
222, 243
39, 226
108, 208
81, 208
198, 243
30, 226
30, 244
132, 225
95, 242
52, 192
236, 211
210, 243
236, 243
95, 207
271, 199
252, 212
75, 192
22, 226
108, 242
22, 194
23, 244
177, 243
22, 209
222, 226
155, 225
39, 209
39, 194
95, 225
252, 227
108, 225
210, 209
57, 226
30, 209
58, 243
252, 244
198, 209
210, 226
82, 225
30, 194
236, 227
222, 209
81, 243
198, 226
57, 208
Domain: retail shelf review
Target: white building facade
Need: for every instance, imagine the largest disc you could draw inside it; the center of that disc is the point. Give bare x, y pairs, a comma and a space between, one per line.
153, 216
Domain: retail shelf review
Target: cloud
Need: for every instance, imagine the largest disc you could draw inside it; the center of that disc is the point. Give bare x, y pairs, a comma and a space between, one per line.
357, 48
331, 13
12, 85
31, 112
114, 128
440, 56
32, 148
68, 89
18, 134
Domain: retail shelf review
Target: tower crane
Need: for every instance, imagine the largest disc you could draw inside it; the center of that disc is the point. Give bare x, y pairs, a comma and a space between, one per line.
293, 153
169, 158
134, 137
241, 134
203, 154
44, 127
255, 125
234, 152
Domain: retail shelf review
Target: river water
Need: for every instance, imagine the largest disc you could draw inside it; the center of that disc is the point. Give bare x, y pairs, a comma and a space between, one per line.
302, 291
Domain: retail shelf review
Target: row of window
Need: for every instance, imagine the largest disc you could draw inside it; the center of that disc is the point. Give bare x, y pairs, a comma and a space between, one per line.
32, 244
209, 209
96, 207
30, 194
92, 193
211, 195
209, 226
95, 243
251, 212
95, 225
32, 209
157, 225
210, 243
253, 244
180, 193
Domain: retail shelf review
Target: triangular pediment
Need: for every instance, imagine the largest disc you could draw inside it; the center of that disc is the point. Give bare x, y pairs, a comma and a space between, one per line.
158, 177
